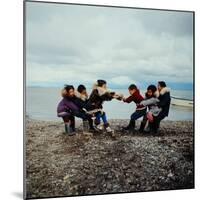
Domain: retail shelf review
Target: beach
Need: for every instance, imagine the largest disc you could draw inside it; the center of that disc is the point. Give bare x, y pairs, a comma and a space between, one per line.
98, 163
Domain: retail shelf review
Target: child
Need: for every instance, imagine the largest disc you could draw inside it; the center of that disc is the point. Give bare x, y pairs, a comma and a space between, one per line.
64, 110
99, 94
81, 93
140, 111
164, 104
151, 101
82, 97
67, 107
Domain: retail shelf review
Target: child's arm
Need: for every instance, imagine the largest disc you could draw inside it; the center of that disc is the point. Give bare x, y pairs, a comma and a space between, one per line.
129, 99
118, 96
150, 101
107, 96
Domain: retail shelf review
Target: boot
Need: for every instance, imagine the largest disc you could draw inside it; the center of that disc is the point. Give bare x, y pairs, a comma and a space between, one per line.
130, 127
85, 126
72, 125
68, 129
91, 125
142, 126
153, 128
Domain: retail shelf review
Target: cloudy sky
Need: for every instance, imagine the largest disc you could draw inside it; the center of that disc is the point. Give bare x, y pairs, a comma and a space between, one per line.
80, 44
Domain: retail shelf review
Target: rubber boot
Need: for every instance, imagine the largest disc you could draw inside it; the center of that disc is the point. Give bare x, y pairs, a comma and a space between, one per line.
72, 124
142, 125
85, 126
68, 129
91, 125
153, 128
132, 126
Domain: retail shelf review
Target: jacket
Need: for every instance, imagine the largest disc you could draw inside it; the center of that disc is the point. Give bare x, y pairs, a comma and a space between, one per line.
98, 96
152, 105
66, 107
137, 98
82, 101
164, 101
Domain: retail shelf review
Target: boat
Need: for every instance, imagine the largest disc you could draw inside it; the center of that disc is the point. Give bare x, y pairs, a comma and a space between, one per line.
176, 101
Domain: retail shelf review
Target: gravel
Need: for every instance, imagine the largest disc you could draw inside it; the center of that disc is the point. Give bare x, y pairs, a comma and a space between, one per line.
98, 163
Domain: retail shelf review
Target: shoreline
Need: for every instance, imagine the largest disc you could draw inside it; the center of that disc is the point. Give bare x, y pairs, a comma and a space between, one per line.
60, 165
59, 119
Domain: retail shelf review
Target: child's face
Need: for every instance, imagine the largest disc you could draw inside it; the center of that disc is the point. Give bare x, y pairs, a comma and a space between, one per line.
104, 86
84, 92
71, 93
149, 93
159, 88
131, 92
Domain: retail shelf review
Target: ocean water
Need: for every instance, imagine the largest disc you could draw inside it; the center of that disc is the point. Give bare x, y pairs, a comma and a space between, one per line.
41, 103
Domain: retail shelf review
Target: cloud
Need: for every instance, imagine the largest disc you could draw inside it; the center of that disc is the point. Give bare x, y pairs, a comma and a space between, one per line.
122, 80
80, 44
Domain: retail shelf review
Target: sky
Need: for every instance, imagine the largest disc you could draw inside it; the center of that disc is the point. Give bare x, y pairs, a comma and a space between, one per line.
73, 44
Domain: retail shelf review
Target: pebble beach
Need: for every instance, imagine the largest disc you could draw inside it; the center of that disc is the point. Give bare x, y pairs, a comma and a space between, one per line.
101, 163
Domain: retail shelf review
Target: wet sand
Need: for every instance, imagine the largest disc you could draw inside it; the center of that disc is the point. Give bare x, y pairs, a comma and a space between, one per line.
61, 165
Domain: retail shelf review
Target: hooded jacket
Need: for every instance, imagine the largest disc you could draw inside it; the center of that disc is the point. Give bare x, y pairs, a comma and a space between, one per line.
82, 101
137, 98
152, 103
164, 101
98, 96
66, 107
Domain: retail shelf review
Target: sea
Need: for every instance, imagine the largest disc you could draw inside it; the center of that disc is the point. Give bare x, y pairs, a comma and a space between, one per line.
41, 104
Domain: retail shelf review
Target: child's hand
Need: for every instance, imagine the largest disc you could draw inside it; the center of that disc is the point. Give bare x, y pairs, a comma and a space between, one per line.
121, 96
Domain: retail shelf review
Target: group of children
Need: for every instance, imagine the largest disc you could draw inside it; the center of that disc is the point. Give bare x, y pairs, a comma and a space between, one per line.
77, 103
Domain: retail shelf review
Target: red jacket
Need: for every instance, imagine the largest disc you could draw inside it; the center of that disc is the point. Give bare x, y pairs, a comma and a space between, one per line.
137, 98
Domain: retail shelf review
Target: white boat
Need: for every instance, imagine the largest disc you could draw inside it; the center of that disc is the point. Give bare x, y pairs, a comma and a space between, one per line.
182, 102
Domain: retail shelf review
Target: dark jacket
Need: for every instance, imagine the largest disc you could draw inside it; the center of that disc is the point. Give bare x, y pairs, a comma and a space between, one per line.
81, 101
164, 101
96, 100
137, 98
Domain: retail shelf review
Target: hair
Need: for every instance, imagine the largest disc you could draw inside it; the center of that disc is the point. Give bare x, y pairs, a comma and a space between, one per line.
162, 83
132, 87
81, 88
152, 88
69, 87
100, 83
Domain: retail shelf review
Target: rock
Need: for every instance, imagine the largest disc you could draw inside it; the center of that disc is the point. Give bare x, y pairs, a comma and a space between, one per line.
170, 175
96, 163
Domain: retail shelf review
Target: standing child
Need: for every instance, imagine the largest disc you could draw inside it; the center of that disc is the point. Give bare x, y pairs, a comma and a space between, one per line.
99, 94
140, 111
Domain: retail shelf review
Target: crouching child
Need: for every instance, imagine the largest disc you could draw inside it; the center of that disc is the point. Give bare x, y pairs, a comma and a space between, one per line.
68, 109
163, 104
151, 101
